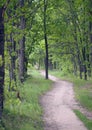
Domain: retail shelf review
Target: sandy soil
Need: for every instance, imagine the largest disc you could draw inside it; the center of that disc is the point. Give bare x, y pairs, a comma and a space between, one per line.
58, 105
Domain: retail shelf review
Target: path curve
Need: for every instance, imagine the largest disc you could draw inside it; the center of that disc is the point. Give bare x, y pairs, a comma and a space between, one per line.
57, 105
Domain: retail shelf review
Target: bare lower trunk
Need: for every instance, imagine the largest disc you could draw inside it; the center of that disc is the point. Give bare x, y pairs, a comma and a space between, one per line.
90, 29
21, 59
84, 61
12, 65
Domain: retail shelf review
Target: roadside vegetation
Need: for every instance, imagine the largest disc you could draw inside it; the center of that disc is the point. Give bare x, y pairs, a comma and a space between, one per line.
26, 113
83, 118
83, 93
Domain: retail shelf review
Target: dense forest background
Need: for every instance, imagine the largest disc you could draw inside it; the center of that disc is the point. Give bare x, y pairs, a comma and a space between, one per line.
50, 33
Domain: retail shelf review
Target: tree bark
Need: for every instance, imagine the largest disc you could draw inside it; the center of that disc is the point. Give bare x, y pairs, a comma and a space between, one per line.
90, 34
22, 48
12, 65
46, 40
84, 60
75, 24
1, 61
90, 55
74, 65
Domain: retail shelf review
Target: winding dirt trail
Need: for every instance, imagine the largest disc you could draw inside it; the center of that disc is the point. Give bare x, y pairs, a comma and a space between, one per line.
58, 107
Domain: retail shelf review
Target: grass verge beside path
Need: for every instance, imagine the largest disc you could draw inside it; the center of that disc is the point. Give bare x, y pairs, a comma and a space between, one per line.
83, 118
83, 93
82, 88
26, 114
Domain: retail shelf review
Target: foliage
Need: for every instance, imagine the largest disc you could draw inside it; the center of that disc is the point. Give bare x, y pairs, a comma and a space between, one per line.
68, 28
83, 92
66, 31
26, 113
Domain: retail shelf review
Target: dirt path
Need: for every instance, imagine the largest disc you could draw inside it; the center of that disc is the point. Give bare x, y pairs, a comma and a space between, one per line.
58, 104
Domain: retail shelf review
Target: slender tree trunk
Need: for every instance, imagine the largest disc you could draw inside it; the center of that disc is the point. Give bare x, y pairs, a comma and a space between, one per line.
90, 29
46, 40
1, 61
22, 47
85, 42
76, 26
12, 66
74, 65
84, 66
21, 59
90, 37
90, 33
78, 53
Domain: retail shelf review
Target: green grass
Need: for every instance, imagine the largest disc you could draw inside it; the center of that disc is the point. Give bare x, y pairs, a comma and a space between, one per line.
83, 92
87, 122
27, 113
60, 74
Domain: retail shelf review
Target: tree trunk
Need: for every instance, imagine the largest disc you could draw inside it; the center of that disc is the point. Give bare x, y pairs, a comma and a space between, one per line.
12, 66
22, 47
45, 38
1, 61
78, 54
21, 59
84, 61
74, 65
90, 37
76, 27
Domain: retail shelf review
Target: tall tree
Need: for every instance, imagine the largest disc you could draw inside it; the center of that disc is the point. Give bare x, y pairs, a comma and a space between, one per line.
2, 73
22, 45
1, 59
45, 38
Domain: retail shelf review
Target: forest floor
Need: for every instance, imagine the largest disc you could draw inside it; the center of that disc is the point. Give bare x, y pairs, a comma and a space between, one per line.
58, 105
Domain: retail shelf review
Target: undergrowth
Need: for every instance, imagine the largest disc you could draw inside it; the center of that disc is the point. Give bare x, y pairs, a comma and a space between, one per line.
25, 113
